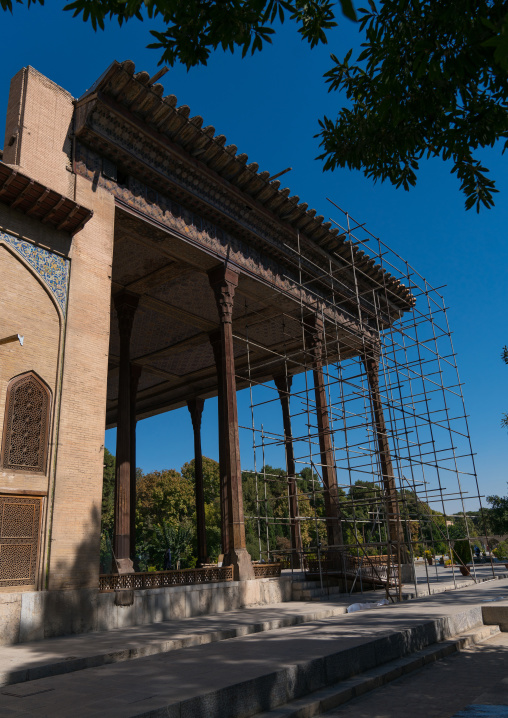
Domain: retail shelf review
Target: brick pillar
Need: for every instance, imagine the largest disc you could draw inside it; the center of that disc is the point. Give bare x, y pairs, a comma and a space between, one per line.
215, 341
314, 327
136, 370
125, 305
195, 407
224, 281
395, 530
283, 384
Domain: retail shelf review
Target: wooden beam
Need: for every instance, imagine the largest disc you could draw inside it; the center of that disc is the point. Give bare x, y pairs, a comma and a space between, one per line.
154, 279
181, 315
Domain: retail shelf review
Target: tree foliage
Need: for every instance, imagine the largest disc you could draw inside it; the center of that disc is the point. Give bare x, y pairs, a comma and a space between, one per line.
430, 81
195, 28
498, 514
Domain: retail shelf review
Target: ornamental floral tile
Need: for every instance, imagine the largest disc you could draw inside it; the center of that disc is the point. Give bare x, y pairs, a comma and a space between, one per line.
53, 269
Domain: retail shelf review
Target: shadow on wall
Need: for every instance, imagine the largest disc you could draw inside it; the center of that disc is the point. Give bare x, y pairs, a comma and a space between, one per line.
34, 615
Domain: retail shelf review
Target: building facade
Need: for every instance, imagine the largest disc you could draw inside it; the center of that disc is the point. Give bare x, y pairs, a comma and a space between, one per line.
147, 265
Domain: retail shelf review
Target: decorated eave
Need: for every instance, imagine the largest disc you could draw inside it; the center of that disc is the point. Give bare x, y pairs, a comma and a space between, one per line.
144, 100
35, 200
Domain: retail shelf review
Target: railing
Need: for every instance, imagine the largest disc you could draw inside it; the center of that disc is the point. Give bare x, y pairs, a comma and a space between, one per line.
161, 579
372, 569
267, 570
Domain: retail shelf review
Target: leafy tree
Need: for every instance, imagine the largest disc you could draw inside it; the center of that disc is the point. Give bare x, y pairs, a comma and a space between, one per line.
107, 512
211, 477
498, 514
108, 492
165, 507
195, 28
211, 485
430, 81
164, 496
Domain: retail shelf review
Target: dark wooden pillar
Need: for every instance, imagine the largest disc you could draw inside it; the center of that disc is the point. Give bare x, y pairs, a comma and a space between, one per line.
215, 341
126, 305
136, 370
283, 384
395, 531
224, 280
314, 326
195, 407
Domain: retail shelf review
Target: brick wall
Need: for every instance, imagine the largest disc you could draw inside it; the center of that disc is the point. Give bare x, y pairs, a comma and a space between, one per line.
74, 560
39, 118
38, 130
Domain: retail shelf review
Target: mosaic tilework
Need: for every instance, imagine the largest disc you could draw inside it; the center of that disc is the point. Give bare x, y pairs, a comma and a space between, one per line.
54, 270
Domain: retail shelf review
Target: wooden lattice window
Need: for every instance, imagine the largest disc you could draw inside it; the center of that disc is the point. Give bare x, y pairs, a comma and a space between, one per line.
19, 538
25, 440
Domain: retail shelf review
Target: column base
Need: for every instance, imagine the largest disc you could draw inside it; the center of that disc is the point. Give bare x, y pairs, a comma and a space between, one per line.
124, 565
241, 561
407, 573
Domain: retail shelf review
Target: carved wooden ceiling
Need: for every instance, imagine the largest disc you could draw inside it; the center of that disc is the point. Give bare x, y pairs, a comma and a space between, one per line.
176, 313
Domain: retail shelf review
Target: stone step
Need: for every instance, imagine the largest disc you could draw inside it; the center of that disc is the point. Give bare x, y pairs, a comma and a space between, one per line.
254, 673
39, 659
303, 585
496, 612
317, 593
322, 701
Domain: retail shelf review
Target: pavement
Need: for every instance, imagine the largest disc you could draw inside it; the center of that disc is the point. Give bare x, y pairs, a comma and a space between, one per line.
243, 675
469, 684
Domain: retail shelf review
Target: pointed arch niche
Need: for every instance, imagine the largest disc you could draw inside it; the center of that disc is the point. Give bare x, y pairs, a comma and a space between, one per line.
26, 427
31, 306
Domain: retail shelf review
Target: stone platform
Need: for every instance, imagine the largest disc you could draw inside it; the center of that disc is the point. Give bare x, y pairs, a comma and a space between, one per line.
248, 674
35, 615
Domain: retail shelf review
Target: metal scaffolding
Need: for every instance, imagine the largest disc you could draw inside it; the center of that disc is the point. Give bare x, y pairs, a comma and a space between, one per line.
373, 398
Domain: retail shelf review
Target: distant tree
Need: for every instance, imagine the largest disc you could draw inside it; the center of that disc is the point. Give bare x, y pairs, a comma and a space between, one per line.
107, 512
165, 507
431, 81
108, 492
211, 482
211, 477
165, 495
498, 514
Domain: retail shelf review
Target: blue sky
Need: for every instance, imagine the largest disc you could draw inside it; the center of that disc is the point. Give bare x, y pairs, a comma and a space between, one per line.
269, 107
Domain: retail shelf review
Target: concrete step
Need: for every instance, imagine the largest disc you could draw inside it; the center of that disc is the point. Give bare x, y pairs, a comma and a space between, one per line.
322, 701
316, 593
39, 659
250, 674
496, 612
303, 585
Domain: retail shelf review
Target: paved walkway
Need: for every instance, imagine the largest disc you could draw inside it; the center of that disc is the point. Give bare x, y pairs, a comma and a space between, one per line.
467, 682
218, 679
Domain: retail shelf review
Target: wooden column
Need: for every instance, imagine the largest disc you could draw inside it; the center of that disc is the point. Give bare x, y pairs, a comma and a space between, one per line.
215, 341
126, 305
224, 280
395, 531
195, 407
283, 384
315, 344
136, 370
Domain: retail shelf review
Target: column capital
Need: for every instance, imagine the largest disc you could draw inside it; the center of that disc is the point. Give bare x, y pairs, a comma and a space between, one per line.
283, 384
195, 407
126, 304
314, 334
224, 280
